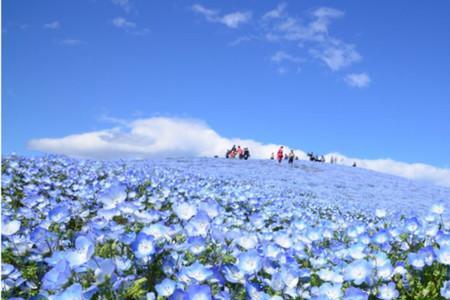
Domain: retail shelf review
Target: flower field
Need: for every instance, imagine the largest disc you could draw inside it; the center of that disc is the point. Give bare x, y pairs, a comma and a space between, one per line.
216, 229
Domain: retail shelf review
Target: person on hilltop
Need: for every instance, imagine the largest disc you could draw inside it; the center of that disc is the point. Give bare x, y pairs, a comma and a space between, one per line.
280, 154
240, 152
272, 156
246, 153
291, 157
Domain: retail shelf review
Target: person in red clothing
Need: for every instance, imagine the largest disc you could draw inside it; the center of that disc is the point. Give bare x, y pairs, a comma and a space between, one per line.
280, 154
240, 152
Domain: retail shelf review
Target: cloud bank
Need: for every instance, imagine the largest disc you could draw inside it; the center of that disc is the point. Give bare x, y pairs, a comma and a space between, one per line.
174, 137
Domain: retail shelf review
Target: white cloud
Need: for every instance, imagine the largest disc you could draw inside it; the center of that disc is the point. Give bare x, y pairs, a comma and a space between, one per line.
242, 39
53, 25
336, 54
309, 35
71, 42
152, 137
416, 171
123, 23
276, 12
281, 56
124, 4
327, 12
231, 20
358, 80
164, 137
129, 27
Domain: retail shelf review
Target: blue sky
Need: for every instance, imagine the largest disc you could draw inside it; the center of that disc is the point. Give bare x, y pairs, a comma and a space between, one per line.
367, 79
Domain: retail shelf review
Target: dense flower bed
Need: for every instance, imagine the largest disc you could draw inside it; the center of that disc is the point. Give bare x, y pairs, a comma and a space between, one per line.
76, 229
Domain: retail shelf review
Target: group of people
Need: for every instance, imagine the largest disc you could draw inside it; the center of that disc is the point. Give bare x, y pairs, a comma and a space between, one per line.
244, 153
281, 155
313, 157
238, 153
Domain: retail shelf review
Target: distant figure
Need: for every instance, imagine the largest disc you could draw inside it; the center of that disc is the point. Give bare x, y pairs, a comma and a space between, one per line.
322, 158
354, 164
291, 157
296, 157
280, 154
216, 156
227, 154
286, 156
240, 152
246, 153
272, 156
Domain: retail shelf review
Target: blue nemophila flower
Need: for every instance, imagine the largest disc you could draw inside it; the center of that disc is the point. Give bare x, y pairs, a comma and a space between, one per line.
248, 241
56, 258
143, 246
443, 255
104, 269
358, 271
290, 276
84, 249
198, 272
185, 210
11, 277
271, 250
388, 291
353, 293
112, 196
428, 255
198, 292
380, 212
412, 224
249, 262
165, 288
357, 251
385, 271
416, 260
437, 208
57, 276
331, 276
59, 214
196, 245
10, 227
43, 239
331, 291
282, 239
254, 292
158, 230
73, 292
443, 239
233, 274
445, 290
211, 208
381, 237
198, 225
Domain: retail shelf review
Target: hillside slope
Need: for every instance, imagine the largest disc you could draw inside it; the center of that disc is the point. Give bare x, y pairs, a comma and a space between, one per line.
325, 183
